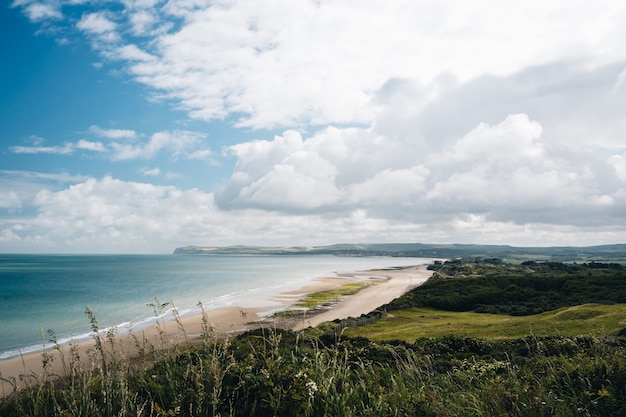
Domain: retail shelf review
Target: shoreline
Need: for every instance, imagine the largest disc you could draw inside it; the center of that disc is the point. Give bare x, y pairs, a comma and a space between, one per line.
224, 321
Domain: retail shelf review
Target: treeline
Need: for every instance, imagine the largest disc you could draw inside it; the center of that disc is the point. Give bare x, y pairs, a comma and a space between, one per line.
491, 286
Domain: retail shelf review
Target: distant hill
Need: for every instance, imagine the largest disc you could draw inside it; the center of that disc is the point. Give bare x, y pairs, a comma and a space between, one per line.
565, 253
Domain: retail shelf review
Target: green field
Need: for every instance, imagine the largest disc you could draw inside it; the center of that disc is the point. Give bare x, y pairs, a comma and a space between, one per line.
411, 324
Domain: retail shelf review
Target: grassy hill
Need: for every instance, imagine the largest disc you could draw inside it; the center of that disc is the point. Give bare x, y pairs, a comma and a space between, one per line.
409, 325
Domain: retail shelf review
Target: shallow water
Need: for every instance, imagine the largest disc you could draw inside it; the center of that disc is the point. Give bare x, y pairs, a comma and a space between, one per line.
42, 292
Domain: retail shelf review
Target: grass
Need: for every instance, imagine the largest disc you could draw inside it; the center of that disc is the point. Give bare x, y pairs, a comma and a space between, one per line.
411, 324
269, 372
320, 299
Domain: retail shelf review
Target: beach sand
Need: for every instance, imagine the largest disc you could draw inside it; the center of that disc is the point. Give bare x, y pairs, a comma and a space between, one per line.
388, 285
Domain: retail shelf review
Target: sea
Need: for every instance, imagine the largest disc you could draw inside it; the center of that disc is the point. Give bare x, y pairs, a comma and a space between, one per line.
47, 295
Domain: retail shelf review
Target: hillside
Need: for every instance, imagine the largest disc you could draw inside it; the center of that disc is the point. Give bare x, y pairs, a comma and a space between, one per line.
565, 253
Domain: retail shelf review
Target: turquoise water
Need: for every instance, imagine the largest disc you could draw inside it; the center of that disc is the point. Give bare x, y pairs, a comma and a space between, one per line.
41, 292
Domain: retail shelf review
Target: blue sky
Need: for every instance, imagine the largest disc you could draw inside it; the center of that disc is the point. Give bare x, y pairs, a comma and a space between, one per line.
142, 125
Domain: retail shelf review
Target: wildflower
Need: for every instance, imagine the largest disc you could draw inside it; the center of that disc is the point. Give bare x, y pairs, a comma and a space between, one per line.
311, 387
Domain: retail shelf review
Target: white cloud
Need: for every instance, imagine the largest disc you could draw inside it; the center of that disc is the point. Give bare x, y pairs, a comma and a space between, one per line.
10, 200
618, 162
34, 175
389, 187
42, 11
59, 150
66, 149
118, 212
433, 121
8, 236
179, 143
96, 23
113, 133
133, 53
102, 29
514, 140
154, 172
90, 146
142, 21
502, 173
299, 62
110, 215
140, 4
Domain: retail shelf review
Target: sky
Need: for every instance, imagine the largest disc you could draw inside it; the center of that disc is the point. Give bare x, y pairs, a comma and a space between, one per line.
139, 126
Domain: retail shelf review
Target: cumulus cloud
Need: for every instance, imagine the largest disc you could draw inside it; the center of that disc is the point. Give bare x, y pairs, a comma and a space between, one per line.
110, 215
124, 213
401, 120
501, 172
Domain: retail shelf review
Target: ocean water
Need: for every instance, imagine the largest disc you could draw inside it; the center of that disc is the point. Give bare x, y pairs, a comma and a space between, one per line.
39, 293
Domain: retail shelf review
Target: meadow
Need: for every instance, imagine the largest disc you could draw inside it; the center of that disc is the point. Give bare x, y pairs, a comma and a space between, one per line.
420, 359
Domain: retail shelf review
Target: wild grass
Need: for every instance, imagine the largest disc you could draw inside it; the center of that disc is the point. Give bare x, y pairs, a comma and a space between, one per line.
275, 373
269, 372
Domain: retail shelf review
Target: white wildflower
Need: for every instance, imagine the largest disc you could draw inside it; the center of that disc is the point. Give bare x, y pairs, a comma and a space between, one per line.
311, 387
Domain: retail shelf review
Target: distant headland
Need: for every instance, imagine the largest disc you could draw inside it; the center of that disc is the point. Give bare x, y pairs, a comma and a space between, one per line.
614, 252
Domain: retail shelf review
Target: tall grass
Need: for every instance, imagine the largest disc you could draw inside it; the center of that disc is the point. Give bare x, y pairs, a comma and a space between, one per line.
271, 372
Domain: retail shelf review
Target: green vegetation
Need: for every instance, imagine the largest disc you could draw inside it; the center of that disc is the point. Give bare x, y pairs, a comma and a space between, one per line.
517, 289
322, 298
421, 250
414, 323
417, 361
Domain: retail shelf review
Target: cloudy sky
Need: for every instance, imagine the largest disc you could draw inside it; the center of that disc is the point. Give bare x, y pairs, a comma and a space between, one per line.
137, 126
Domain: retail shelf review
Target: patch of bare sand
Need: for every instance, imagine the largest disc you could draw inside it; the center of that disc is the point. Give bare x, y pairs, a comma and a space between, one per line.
394, 283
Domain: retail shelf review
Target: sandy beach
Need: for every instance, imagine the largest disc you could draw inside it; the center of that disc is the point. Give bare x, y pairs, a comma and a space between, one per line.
388, 284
